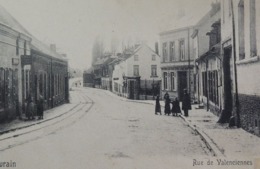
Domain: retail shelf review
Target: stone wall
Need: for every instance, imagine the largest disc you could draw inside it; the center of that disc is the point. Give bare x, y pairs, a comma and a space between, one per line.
250, 113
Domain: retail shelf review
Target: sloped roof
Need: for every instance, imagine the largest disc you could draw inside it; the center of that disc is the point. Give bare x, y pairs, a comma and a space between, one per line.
184, 22
7, 19
89, 70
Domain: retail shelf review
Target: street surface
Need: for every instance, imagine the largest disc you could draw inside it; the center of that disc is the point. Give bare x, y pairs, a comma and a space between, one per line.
103, 131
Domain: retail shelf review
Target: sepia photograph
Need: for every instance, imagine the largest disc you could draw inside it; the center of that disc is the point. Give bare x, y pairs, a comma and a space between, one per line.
130, 84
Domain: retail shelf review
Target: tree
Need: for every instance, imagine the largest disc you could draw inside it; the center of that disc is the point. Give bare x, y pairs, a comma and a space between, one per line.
97, 49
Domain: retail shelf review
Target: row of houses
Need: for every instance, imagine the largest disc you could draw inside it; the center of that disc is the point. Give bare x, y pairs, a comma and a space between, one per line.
134, 74
217, 60
28, 68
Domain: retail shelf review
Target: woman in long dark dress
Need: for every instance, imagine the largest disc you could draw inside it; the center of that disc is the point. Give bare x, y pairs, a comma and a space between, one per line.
158, 106
167, 108
176, 107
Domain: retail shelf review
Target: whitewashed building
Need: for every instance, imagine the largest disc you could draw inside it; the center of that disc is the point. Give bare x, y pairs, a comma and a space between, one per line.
240, 20
137, 72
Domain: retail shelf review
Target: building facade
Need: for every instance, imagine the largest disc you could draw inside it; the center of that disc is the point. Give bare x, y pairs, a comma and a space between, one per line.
176, 48
208, 66
28, 68
13, 44
137, 74
242, 44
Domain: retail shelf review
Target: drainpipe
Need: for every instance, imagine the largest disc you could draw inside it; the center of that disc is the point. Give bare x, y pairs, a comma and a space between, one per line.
207, 74
235, 66
189, 58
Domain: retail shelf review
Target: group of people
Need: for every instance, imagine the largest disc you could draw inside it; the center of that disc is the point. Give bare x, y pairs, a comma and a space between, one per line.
186, 105
33, 110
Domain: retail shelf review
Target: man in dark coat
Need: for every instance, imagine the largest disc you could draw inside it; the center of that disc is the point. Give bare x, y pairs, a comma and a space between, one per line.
186, 104
158, 106
167, 108
40, 107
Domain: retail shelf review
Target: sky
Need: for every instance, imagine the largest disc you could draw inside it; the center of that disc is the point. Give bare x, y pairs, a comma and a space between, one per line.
73, 25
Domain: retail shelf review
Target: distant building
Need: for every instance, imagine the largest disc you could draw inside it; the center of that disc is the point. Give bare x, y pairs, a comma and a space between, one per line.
88, 78
138, 75
177, 61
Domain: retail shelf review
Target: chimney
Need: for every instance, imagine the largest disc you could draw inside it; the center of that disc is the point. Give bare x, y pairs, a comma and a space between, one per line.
156, 48
53, 47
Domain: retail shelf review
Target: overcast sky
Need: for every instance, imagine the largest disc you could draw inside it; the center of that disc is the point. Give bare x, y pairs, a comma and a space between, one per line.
73, 25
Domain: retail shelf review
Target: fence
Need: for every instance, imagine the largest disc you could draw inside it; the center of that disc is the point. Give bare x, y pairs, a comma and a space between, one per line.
149, 89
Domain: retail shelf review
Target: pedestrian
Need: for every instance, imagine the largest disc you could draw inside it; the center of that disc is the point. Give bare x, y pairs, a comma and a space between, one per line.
166, 95
32, 109
186, 104
176, 107
157, 105
40, 107
167, 108
29, 108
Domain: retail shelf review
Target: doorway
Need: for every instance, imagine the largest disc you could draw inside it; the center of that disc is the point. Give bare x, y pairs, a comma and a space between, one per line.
182, 83
227, 80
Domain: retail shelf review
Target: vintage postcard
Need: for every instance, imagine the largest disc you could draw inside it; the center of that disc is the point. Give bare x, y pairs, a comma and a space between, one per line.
130, 84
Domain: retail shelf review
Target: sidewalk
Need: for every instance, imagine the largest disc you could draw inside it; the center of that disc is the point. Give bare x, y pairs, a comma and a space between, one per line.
23, 123
222, 140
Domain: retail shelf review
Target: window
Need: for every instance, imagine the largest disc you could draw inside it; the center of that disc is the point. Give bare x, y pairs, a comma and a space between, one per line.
41, 84
182, 50
2, 88
165, 80
223, 11
136, 70
136, 58
45, 86
229, 8
153, 57
24, 48
213, 86
205, 84
154, 70
17, 46
241, 29
172, 51
165, 52
252, 28
172, 81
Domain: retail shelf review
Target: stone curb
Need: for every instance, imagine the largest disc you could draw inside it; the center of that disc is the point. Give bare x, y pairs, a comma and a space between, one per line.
206, 139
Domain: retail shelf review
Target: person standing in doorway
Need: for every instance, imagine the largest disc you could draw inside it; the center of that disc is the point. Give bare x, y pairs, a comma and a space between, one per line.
186, 104
157, 105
